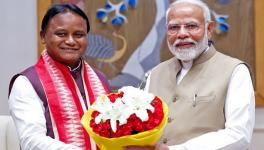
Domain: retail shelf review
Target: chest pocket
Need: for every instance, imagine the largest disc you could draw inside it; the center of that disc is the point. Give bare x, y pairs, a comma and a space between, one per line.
204, 99
197, 99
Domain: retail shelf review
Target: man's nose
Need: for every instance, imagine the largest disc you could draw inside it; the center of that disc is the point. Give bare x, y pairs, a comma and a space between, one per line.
70, 40
183, 33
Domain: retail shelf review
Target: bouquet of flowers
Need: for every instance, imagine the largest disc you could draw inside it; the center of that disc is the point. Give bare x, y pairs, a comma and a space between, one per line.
129, 117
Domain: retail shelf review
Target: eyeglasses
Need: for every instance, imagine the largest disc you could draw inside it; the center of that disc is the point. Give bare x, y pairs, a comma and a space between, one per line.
189, 27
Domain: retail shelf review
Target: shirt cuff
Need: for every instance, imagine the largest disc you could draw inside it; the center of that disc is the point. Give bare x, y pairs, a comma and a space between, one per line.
176, 147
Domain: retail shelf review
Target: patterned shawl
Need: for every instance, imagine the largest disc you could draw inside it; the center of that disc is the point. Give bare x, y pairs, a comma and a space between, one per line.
65, 101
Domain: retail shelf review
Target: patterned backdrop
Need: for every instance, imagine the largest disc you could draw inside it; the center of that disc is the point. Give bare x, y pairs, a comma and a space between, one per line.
127, 37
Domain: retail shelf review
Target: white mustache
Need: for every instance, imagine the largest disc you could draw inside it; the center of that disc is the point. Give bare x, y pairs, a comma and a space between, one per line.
184, 40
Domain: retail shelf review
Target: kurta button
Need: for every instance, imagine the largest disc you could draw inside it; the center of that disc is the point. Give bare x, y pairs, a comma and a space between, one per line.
174, 99
169, 119
165, 140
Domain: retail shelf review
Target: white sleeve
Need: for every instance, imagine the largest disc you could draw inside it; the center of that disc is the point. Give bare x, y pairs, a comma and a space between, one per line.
240, 118
27, 111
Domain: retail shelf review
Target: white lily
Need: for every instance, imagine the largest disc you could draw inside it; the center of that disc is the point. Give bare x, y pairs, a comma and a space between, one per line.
133, 101
103, 105
138, 102
109, 110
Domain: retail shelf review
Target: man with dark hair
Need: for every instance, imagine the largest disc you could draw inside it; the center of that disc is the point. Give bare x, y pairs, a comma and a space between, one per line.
48, 99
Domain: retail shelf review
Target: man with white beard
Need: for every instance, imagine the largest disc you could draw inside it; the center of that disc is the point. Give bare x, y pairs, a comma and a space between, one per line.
210, 95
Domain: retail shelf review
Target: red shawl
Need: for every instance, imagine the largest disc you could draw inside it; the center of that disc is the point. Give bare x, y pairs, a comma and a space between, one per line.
65, 101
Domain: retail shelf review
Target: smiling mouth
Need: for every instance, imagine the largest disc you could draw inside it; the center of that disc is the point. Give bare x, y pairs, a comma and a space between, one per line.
70, 49
185, 44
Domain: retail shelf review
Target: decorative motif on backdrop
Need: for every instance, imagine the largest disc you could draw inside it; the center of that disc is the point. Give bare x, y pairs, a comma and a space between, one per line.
221, 22
146, 55
143, 58
223, 2
118, 19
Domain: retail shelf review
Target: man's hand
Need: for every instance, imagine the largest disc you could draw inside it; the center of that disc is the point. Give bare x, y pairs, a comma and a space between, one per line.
156, 147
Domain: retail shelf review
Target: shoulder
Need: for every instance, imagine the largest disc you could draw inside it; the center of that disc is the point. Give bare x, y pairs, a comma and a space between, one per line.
243, 71
228, 59
22, 79
235, 65
226, 62
165, 70
165, 65
21, 85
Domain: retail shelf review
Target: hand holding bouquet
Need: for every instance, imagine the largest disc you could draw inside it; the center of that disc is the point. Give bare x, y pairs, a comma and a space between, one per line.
129, 117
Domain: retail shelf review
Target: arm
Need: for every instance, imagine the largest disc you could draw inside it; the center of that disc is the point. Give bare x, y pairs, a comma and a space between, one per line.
240, 117
27, 111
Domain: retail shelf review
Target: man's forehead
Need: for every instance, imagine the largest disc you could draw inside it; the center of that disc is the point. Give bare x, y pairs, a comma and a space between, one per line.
186, 21
184, 8
186, 11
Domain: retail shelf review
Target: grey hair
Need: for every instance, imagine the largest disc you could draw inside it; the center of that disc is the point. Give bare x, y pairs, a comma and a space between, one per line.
199, 3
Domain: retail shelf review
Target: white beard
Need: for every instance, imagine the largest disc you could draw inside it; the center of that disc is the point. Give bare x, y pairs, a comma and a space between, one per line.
187, 54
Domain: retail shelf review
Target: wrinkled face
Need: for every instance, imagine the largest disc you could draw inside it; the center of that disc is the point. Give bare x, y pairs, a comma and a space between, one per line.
187, 32
65, 38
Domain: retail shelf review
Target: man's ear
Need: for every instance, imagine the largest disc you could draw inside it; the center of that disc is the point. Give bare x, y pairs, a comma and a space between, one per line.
210, 29
42, 36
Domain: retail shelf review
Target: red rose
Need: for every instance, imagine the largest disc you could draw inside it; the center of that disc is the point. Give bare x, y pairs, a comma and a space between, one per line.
134, 124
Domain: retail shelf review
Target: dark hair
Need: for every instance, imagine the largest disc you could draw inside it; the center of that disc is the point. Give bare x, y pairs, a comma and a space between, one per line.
59, 8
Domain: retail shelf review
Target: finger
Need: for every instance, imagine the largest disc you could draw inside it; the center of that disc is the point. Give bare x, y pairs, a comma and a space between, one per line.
161, 146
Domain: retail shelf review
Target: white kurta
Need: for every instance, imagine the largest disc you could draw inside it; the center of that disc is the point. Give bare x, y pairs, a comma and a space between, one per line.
27, 111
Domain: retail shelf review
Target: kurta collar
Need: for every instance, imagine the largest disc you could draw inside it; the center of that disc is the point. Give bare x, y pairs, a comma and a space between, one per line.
78, 68
205, 55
